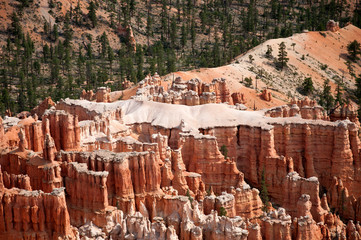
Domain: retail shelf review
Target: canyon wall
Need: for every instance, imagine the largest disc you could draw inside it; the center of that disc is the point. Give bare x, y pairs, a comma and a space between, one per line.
166, 172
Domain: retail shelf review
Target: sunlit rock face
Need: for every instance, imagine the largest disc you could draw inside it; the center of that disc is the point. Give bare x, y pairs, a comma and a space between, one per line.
197, 169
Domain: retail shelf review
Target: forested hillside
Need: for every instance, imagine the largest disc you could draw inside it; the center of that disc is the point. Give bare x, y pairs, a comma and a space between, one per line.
57, 48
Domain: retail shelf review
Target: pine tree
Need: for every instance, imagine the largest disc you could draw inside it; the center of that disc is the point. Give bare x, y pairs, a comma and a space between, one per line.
269, 51
184, 36
92, 14
55, 32
251, 59
264, 191
59, 93
354, 50
193, 34
55, 68
104, 43
111, 60
15, 27
68, 31
171, 61
30, 92
339, 94
350, 68
173, 33
46, 53
189, 196
131, 74
222, 212
78, 13
224, 151
149, 27
140, 62
282, 55
326, 100
21, 94
307, 86
152, 68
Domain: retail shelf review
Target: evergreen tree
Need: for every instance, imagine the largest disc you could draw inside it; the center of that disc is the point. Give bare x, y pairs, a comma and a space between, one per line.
339, 94
46, 53
30, 93
152, 67
140, 62
149, 27
68, 31
222, 212
111, 60
358, 88
131, 74
55, 32
171, 61
78, 13
183, 36
104, 43
21, 93
55, 69
59, 93
251, 59
264, 191
173, 33
282, 55
15, 27
269, 51
354, 50
326, 100
307, 86
193, 34
224, 151
350, 68
92, 14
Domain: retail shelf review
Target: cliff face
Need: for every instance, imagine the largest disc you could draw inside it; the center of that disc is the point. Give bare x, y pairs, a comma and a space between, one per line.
34, 214
145, 170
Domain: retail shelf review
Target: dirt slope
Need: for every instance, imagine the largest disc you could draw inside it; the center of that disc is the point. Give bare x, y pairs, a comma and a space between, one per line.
318, 48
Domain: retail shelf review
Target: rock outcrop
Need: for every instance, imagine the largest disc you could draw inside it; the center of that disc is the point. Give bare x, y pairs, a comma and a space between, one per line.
34, 214
42, 107
139, 169
332, 26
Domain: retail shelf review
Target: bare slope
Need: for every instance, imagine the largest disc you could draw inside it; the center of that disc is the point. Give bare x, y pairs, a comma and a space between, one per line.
318, 48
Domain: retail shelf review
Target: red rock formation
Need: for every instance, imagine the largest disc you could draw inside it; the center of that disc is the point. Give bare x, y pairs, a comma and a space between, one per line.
17, 180
34, 213
23, 115
102, 94
346, 111
49, 149
127, 84
238, 97
165, 176
201, 155
276, 225
87, 195
64, 129
332, 26
191, 93
88, 95
127, 32
42, 107
306, 108
266, 95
